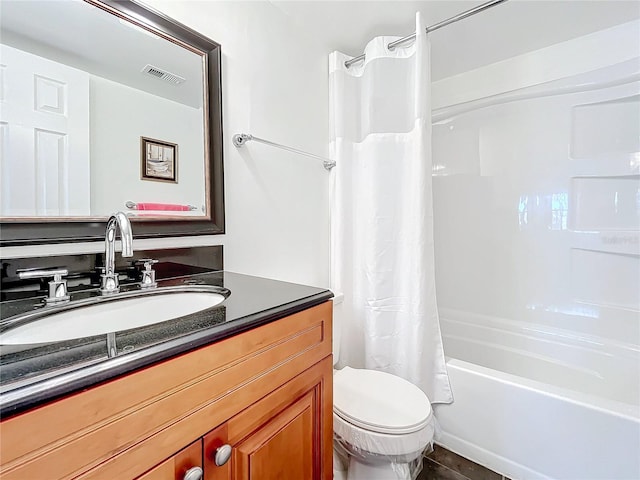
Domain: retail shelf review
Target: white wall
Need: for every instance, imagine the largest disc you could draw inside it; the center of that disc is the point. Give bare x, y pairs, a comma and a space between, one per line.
120, 115
275, 87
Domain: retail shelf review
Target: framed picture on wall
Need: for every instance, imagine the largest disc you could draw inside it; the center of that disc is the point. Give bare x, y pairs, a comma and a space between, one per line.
159, 160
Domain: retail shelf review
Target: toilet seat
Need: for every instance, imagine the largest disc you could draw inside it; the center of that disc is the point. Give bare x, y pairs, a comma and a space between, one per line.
380, 402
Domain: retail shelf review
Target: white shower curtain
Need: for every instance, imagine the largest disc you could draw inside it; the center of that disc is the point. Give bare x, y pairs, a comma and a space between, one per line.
382, 213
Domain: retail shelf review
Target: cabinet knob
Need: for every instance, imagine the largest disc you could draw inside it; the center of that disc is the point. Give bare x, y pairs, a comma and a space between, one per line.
223, 454
194, 473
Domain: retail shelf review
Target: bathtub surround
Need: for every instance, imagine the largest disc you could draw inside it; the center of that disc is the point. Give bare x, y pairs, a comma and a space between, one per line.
382, 225
539, 312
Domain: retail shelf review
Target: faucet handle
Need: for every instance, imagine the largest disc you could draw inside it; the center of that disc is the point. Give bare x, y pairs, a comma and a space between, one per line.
148, 274
146, 262
57, 286
55, 272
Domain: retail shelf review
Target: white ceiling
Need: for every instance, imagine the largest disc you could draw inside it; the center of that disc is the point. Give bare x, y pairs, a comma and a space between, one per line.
506, 30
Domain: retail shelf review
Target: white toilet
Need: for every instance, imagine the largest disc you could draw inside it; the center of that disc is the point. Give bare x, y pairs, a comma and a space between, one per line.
381, 422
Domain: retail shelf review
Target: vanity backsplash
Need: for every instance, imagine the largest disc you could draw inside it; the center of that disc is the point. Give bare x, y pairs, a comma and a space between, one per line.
84, 269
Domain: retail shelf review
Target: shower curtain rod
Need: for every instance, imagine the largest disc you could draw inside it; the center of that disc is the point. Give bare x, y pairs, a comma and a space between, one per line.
444, 23
239, 139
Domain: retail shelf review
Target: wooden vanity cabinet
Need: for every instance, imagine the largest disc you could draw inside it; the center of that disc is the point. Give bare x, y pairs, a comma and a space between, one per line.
267, 393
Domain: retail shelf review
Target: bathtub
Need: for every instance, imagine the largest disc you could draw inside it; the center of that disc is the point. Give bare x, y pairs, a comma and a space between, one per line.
535, 402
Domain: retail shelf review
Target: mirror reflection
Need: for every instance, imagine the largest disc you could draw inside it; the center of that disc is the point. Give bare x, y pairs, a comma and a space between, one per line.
98, 115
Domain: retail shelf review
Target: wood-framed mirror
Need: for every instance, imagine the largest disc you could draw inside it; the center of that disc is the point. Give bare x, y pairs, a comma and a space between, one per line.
111, 107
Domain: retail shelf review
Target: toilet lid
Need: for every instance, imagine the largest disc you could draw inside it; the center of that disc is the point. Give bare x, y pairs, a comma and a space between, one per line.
379, 402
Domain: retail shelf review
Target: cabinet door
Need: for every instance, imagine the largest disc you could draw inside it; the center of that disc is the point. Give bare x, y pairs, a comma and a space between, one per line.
184, 465
287, 435
216, 448
281, 449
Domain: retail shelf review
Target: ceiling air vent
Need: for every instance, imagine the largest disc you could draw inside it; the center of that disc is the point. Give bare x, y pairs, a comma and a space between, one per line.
163, 75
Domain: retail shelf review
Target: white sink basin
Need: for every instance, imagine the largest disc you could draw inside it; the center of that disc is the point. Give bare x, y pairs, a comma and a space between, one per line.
104, 315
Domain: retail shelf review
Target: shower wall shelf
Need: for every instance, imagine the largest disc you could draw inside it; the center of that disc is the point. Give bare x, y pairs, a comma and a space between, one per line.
240, 139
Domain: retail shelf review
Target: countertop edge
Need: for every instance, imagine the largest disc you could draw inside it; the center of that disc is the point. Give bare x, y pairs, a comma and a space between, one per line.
30, 396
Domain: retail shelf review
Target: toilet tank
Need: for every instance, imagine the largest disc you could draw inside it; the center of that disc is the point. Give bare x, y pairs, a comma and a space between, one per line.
338, 299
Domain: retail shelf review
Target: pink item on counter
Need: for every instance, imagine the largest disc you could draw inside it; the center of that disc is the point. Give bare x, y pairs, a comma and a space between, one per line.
163, 206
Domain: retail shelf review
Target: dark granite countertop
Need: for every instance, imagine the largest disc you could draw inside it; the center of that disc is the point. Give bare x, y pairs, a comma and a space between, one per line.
34, 374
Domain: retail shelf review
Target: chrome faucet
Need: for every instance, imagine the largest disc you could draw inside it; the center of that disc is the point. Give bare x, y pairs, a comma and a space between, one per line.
109, 279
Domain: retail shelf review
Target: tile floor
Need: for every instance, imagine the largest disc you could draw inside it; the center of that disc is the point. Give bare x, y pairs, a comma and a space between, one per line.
443, 464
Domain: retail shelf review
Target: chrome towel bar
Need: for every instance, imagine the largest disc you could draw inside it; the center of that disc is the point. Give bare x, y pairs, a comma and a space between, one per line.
240, 139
